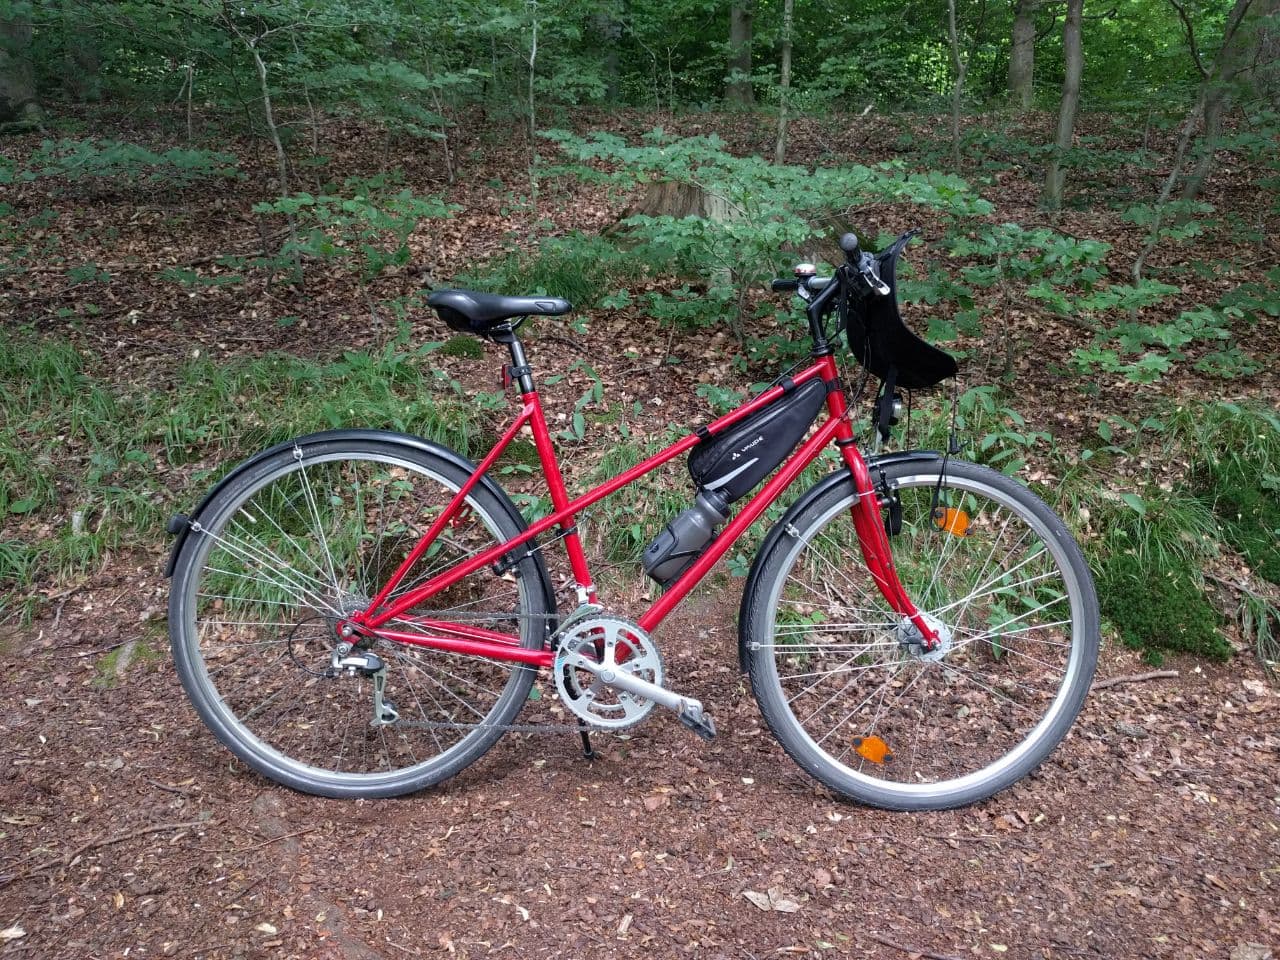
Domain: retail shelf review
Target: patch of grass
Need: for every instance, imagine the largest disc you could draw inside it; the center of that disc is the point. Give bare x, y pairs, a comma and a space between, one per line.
465, 347
1160, 609
630, 518
112, 667
612, 415
1235, 455
87, 464
582, 269
522, 452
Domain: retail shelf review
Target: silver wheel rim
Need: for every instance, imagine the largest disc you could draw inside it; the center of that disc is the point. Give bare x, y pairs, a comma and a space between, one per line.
449, 747
1036, 740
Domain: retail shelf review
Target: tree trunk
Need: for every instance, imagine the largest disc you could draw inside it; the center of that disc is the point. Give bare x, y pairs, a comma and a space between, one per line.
1073, 58
1266, 79
80, 79
609, 30
738, 88
957, 91
784, 83
1022, 55
1241, 53
1216, 102
18, 103
533, 116
1194, 116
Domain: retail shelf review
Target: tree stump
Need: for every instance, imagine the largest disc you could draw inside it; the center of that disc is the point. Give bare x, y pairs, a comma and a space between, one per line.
673, 198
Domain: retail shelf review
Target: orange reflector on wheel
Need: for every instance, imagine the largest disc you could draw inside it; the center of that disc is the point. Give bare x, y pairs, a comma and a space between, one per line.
872, 748
951, 520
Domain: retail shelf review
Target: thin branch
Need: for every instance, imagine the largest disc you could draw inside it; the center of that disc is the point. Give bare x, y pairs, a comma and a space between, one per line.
1191, 37
1135, 678
915, 951
66, 859
267, 843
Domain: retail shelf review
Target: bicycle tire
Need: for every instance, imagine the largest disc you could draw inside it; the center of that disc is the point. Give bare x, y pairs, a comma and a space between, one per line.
306, 534
988, 706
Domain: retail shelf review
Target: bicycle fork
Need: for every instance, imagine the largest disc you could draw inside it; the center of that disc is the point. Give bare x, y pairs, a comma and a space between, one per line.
872, 536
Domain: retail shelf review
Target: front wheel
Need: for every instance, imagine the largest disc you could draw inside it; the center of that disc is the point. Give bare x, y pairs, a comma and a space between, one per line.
843, 680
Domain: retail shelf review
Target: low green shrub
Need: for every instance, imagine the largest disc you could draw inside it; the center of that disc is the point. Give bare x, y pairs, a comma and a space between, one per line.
583, 269
1159, 609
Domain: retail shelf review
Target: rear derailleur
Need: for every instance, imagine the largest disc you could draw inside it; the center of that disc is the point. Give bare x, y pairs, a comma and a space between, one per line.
348, 660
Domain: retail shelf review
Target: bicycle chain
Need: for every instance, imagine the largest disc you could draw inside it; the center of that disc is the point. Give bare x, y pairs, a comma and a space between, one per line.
505, 727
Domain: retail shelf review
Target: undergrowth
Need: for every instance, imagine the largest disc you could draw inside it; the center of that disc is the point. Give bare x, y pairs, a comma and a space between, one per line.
88, 463
586, 271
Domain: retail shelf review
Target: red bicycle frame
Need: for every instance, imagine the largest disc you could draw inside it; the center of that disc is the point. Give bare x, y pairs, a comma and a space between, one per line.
476, 641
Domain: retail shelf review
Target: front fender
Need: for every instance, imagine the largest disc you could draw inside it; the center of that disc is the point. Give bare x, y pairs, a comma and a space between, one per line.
180, 525
838, 478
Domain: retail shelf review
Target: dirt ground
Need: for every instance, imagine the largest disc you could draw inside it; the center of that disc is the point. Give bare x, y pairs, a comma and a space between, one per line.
1154, 831
126, 830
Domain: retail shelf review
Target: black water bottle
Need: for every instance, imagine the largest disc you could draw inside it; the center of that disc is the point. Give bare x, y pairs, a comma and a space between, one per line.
685, 537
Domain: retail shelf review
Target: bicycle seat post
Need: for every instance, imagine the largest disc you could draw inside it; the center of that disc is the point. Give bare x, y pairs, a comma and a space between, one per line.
520, 370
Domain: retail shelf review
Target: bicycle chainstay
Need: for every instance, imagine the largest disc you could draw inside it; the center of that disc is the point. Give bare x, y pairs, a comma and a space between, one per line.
476, 615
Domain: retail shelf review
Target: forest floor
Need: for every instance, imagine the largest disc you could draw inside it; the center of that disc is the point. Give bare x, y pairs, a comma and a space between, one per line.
127, 830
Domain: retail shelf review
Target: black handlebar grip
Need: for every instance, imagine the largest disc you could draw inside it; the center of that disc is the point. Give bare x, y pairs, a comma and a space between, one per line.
849, 244
784, 284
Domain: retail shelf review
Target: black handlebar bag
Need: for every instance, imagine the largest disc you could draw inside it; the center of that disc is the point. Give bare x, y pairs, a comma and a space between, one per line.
881, 342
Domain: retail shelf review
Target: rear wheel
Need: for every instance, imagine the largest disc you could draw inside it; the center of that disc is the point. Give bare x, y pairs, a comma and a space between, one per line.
299, 541
844, 682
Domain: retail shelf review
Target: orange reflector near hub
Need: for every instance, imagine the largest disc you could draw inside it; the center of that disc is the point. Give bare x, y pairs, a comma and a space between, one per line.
951, 520
872, 748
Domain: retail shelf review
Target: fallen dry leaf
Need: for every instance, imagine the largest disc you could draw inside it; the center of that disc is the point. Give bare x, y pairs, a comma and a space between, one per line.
775, 899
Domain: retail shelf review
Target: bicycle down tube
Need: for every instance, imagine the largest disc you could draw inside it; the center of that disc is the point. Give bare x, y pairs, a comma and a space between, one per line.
475, 641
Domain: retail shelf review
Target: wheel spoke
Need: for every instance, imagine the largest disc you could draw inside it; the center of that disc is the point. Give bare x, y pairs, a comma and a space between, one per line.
276, 565
873, 713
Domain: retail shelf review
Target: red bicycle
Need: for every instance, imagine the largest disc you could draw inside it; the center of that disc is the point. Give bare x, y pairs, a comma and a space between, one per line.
358, 613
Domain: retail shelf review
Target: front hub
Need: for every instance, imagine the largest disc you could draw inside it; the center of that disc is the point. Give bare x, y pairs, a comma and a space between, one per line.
913, 642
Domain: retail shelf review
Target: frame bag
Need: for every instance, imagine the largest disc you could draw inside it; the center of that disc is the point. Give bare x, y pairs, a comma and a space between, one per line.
734, 462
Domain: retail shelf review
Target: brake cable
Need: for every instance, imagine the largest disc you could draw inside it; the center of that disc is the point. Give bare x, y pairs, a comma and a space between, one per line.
953, 447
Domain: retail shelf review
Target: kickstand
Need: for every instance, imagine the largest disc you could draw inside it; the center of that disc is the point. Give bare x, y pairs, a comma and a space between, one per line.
587, 752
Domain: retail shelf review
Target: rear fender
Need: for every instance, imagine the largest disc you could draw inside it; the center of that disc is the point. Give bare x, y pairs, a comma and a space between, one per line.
180, 525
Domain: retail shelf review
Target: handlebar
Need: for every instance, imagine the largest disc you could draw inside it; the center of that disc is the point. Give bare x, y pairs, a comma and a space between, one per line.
859, 264
793, 284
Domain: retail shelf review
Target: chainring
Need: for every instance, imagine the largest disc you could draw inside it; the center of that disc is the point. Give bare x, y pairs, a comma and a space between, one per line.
615, 644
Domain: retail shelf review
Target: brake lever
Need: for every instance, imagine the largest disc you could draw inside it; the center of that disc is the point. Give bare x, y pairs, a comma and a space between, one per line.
867, 267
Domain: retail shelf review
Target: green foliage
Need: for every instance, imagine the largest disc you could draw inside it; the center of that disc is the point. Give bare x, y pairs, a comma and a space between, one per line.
1110, 352
690, 309
625, 522
123, 163
1235, 455
1255, 300
992, 430
1161, 609
133, 445
463, 346
584, 270
390, 90
367, 224
762, 214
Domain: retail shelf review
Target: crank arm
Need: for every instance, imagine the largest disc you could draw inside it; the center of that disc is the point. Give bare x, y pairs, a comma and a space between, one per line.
688, 709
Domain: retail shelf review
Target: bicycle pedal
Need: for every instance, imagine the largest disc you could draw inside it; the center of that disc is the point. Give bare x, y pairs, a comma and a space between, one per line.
700, 723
